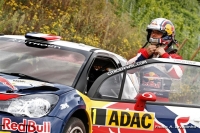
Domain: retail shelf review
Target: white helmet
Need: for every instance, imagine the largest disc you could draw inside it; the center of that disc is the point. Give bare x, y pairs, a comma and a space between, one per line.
165, 26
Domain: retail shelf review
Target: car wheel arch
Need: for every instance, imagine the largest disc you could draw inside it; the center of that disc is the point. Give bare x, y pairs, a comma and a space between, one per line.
74, 125
83, 116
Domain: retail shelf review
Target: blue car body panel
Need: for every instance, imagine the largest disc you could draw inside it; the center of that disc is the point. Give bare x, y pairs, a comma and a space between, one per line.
69, 102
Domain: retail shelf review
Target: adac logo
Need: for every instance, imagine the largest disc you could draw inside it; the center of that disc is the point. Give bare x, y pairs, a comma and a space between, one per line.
127, 119
169, 29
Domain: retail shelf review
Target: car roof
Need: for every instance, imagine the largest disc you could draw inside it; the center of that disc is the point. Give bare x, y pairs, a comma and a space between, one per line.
58, 42
75, 45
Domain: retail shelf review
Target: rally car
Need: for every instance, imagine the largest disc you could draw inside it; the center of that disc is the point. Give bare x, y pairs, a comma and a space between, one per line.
54, 86
44, 81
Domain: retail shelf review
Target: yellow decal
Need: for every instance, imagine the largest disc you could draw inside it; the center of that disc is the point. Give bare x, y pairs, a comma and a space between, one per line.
123, 118
169, 29
4, 132
151, 75
94, 112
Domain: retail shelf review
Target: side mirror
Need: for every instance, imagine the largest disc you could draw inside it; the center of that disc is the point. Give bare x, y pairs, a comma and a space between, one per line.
142, 98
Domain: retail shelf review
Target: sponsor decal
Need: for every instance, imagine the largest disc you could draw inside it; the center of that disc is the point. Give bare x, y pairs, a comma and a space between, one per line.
33, 42
151, 80
184, 61
169, 29
64, 106
127, 67
7, 83
154, 23
29, 126
21, 82
123, 118
152, 84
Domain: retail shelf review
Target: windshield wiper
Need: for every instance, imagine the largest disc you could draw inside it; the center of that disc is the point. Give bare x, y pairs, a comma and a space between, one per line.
23, 76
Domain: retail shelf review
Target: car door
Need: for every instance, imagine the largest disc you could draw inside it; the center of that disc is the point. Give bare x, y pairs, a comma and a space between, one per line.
115, 95
113, 105
177, 105
97, 59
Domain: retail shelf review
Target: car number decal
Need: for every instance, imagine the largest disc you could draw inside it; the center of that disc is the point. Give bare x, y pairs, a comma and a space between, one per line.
123, 118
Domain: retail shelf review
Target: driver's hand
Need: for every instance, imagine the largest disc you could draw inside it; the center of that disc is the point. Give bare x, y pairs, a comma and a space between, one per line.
160, 51
151, 49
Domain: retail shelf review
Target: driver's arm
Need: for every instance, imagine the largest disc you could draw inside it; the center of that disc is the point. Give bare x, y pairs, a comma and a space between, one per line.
141, 55
174, 71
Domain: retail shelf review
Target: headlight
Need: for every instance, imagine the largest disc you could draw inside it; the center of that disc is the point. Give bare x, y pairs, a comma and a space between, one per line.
33, 106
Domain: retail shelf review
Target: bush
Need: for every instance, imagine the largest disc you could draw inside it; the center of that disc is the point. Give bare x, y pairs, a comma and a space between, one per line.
91, 22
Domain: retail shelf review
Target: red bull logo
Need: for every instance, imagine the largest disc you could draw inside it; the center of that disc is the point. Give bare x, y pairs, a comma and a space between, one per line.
150, 80
151, 75
28, 126
169, 29
7, 83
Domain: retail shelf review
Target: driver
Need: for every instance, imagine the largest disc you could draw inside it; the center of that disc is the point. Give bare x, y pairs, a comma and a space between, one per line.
160, 37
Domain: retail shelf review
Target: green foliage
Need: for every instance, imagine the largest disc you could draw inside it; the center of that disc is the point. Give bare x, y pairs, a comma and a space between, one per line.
87, 21
187, 90
185, 15
115, 25
186, 94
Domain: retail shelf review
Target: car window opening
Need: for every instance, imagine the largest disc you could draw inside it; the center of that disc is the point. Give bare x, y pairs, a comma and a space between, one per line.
100, 66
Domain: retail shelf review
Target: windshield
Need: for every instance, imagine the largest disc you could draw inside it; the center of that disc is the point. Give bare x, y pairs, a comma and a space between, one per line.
50, 64
170, 82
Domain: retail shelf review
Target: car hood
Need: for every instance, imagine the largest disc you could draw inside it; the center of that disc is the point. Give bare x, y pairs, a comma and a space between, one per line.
15, 84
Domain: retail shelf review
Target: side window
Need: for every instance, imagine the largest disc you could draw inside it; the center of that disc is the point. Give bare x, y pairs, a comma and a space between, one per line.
110, 88
100, 66
129, 89
179, 86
